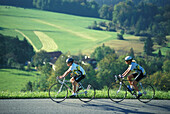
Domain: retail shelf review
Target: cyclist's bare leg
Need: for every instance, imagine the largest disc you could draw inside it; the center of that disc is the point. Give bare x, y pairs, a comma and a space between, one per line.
135, 85
74, 83
129, 79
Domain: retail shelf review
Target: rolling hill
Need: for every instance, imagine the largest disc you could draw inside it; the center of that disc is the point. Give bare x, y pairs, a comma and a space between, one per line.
67, 33
56, 31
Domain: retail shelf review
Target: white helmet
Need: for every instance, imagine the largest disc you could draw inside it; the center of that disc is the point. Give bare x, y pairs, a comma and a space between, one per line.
128, 58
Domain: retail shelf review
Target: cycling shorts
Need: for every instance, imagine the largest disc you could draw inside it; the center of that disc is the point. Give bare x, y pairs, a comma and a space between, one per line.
78, 78
138, 76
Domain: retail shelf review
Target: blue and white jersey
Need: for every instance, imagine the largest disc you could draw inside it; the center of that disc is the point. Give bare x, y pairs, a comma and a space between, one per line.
77, 69
134, 67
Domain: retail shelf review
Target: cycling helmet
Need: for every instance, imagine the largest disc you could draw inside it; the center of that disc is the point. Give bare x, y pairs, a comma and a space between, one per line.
69, 60
128, 58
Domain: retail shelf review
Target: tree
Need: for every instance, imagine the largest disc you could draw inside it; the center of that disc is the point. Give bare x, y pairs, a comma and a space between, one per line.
167, 54
40, 57
160, 39
14, 52
166, 66
60, 68
90, 76
100, 52
120, 36
131, 53
109, 66
106, 70
159, 53
148, 46
105, 12
161, 80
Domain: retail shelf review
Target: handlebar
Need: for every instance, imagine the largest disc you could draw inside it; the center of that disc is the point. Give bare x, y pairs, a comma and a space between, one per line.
118, 77
61, 81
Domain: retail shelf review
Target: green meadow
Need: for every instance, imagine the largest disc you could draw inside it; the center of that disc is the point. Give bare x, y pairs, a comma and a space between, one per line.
67, 33
56, 31
14, 80
64, 32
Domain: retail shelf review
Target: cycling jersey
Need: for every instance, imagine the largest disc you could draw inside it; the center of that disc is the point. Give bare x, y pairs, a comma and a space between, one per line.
77, 69
134, 67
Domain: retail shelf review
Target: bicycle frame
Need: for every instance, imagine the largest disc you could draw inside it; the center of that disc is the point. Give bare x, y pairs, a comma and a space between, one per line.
64, 83
121, 81
120, 94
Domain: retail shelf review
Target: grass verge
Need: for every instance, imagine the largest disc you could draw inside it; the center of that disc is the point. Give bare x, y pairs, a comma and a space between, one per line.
99, 94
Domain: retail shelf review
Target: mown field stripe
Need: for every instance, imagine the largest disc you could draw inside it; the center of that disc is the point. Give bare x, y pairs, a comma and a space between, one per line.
27, 39
47, 42
67, 30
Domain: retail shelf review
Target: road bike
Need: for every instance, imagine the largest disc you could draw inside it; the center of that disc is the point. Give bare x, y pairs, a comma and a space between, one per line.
117, 91
59, 91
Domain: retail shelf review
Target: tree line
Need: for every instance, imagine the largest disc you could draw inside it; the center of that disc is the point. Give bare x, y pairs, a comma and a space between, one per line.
75, 7
143, 19
108, 65
114, 2
14, 52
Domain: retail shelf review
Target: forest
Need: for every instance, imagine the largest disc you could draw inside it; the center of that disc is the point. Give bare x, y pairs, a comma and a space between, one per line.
14, 52
108, 65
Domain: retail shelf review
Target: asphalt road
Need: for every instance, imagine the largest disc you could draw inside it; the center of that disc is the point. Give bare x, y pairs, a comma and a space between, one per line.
74, 106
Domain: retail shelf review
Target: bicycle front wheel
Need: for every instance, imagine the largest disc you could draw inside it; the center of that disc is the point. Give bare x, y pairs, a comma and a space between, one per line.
147, 91
58, 92
86, 94
117, 92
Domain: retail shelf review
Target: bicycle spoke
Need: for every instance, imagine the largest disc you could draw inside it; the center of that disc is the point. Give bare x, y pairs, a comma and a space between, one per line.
117, 92
147, 91
86, 94
58, 92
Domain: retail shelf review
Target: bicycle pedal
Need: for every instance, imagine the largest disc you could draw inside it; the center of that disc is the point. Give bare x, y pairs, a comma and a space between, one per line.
79, 89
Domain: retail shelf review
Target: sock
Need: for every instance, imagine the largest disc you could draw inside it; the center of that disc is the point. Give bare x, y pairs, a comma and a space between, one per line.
131, 86
74, 94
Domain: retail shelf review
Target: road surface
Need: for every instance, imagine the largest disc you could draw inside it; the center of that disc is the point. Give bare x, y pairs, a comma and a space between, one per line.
74, 106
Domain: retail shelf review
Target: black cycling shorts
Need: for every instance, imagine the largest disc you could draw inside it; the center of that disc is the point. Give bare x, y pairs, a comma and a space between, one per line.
138, 76
78, 78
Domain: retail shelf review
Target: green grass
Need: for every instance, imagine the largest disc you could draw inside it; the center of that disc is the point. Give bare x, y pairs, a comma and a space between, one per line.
69, 32
14, 80
66, 30
99, 94
162, 48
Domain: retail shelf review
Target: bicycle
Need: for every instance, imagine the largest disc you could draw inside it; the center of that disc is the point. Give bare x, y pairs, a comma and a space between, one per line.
58, 92
117, 91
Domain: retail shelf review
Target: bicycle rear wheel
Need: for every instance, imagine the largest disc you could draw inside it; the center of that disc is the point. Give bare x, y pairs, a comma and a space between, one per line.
58, 92
117, 92
86, 94
147, 91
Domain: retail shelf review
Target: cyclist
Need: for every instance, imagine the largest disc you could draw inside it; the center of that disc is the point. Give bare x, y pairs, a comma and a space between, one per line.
138, 74
78, 74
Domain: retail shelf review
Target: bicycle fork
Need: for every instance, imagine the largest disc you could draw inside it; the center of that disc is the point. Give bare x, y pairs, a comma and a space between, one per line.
119, 88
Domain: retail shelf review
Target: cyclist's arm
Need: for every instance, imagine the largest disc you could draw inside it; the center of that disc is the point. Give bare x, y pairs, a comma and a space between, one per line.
65, 74
126, 72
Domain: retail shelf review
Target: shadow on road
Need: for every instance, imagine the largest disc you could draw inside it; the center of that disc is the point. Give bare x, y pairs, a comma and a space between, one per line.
105, 105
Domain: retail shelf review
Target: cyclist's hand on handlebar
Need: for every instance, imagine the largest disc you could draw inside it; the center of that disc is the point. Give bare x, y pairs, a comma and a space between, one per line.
121, 76
59, 77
